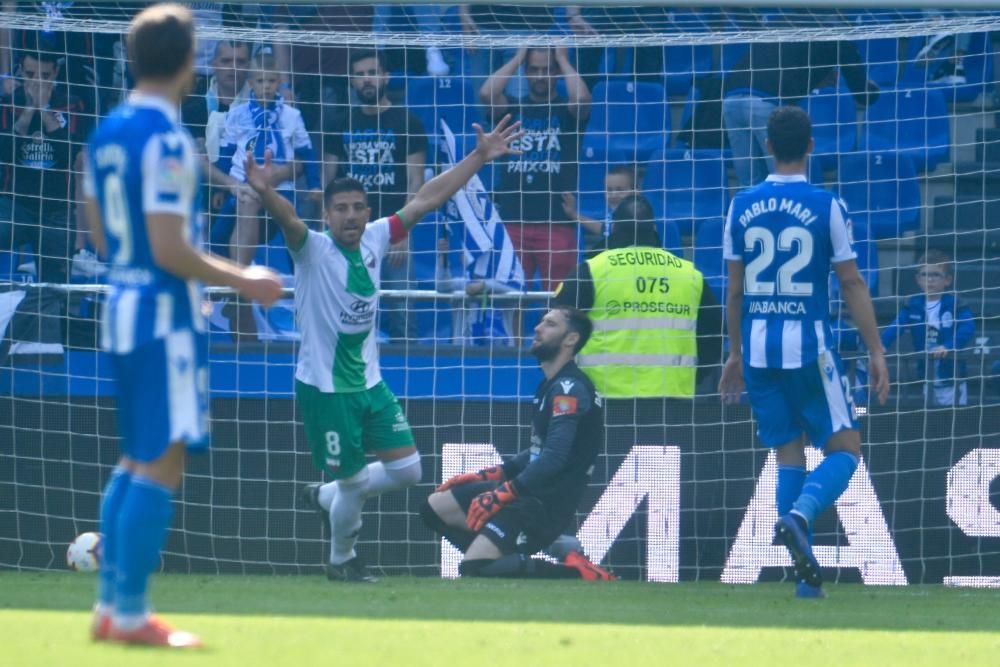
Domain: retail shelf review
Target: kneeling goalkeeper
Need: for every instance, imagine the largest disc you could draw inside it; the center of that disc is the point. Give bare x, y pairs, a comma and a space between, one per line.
500, 516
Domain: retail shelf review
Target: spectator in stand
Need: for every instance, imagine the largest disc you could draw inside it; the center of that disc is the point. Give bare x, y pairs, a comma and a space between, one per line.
42, 127
940, 326
619, 185
320, 71
384, 147
205, 114
503, 20
532, 184
264, 123
758, 84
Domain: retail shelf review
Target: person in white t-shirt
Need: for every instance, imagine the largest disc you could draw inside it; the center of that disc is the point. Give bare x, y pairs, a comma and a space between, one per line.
347, 410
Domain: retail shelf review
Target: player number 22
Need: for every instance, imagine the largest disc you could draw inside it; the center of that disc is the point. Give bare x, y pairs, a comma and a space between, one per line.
790, 238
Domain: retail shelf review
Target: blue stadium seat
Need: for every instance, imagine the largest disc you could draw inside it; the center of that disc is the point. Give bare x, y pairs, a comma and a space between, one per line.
834, 121
627, 116
882, 193
682, 64
732, 54
882, 58
688, 186
913, 121
452, 98
707, 255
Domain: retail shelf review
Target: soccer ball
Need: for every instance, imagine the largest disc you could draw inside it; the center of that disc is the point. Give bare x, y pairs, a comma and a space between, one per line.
84, 553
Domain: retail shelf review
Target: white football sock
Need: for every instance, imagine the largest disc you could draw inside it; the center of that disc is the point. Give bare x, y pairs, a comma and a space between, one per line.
345, 516
326, 494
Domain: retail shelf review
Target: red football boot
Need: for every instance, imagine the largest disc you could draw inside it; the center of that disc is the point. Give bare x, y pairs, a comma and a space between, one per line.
588, 571
156, 632
100, 627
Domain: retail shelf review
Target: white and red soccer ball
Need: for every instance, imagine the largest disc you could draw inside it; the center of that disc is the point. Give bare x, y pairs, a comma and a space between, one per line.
84, 553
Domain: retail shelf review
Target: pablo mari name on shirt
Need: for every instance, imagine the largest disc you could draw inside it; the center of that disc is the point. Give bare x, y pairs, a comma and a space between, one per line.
801, 213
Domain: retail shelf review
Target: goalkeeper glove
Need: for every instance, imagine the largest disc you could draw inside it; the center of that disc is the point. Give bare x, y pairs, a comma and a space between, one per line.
486, 505
491, 474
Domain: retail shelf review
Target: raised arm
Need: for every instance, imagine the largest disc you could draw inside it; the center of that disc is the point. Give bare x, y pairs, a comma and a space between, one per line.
577, 93
435, 192
281, 209
491, 94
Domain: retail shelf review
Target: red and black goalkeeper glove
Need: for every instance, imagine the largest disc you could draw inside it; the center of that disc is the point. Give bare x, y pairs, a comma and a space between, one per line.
485, 505
491, 474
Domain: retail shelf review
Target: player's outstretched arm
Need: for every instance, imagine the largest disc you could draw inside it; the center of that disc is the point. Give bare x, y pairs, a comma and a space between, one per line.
859, 302
435, 192
282, 210
172, 252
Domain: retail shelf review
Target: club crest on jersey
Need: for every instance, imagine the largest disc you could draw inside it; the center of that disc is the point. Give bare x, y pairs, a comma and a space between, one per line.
563, 405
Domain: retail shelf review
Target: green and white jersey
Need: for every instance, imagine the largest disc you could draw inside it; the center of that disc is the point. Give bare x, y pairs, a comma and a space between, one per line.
336, 299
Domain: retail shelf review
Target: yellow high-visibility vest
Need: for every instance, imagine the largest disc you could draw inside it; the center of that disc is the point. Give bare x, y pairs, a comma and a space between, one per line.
645, 316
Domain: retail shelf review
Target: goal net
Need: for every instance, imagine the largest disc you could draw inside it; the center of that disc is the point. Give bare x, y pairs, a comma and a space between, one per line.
653, 100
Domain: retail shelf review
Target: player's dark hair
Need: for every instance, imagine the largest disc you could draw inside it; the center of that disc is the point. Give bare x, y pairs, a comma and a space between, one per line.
345, 184
263, 62
631, 171
160, 41
935, 256
789, 130
577, 321
634, 223
537, 49
233, 44
357, 56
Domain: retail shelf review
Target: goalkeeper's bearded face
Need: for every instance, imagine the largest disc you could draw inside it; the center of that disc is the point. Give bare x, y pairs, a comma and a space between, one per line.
347, 215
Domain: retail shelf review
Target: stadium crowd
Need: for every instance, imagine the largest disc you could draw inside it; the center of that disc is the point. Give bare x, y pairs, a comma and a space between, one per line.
600, 129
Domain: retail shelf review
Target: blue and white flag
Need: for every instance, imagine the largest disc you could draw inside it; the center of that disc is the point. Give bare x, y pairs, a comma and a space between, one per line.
488, 253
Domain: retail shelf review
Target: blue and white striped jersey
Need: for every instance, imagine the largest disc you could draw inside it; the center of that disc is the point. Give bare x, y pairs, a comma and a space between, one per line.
141, 161
787, 233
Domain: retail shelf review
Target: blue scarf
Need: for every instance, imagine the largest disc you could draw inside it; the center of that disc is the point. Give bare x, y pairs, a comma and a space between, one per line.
266, 121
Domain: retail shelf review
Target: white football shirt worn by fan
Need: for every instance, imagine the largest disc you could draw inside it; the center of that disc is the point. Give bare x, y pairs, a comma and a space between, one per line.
336, 310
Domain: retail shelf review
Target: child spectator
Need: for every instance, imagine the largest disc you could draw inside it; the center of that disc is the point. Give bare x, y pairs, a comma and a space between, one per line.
263, 123
619, 185
939, 326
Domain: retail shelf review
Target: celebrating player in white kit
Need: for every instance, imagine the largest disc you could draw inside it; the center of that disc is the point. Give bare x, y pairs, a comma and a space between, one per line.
347, 410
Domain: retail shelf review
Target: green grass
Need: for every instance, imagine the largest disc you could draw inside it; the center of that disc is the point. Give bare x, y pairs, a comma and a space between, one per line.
400, 622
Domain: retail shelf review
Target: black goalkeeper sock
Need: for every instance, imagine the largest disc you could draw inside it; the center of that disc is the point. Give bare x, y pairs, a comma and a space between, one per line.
458, 537
516, 566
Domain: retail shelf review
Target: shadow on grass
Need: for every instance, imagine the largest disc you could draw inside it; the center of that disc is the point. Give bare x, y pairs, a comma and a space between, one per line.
849, 606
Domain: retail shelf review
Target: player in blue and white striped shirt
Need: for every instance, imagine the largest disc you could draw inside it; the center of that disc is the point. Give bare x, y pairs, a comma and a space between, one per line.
141, 201
781, 239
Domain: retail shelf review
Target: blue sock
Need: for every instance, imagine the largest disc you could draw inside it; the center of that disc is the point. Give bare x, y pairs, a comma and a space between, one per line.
111, 505
825, 484
142, 527
790, 480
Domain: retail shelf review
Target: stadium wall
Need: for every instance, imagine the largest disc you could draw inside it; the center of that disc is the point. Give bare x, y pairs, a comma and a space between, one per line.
935, 477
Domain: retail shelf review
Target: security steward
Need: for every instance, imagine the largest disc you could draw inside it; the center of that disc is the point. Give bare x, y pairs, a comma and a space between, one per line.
656, 322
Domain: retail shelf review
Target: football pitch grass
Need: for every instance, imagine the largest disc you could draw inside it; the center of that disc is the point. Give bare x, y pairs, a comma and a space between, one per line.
306, 621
